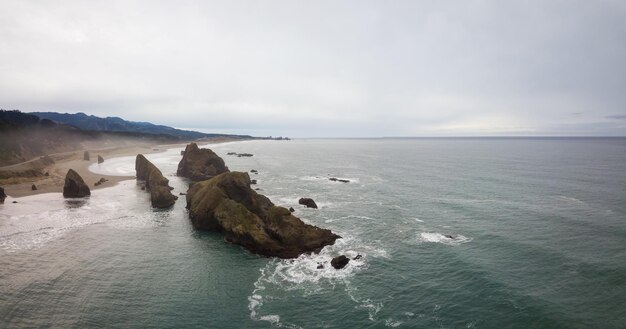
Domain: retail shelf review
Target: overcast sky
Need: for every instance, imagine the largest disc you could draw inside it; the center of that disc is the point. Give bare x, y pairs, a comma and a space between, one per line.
324, 68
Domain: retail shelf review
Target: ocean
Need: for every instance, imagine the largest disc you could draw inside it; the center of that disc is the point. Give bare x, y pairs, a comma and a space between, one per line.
453, 233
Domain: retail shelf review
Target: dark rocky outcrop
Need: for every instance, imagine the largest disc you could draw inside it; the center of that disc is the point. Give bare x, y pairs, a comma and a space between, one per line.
86, 156
291, 209
254, 171
101, 181
33, 187
200, 164
100, 159
308, 202
75, 186
2, 195
226, 203
334, 179
160, 191
340, 262
253, 181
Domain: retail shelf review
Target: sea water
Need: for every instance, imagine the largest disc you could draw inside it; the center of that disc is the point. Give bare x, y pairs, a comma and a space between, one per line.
452, 233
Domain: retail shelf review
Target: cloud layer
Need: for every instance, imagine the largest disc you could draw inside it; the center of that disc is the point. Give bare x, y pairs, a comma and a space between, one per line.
324, 68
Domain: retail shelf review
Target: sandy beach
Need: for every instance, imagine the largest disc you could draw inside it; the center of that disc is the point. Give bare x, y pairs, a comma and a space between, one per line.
55, 179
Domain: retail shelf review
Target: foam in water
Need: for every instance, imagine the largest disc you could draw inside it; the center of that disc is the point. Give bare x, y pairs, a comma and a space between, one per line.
447, 239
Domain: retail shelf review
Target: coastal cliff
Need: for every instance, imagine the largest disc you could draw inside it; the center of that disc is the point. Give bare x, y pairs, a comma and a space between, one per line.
226, 203
160, 191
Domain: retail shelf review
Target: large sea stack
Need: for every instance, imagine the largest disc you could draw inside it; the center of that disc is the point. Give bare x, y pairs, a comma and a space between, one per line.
226, 203
200, 164
75, 186
160, 191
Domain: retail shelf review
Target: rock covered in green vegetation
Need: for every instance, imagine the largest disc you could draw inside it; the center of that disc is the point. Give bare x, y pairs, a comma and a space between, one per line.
199, 164
75, 186
226, 203
160, 190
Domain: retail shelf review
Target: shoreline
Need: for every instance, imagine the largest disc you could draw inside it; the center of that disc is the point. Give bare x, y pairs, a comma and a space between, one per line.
17, 187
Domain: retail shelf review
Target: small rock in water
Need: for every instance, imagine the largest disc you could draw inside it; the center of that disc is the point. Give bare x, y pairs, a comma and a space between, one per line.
100, 159
253, 181
357, 257
244, 155
291, 209
181, 193
33, 187
231, 153
308, 202
14, 201
320, 266
340, 262
334, 179
86, 156
449, 236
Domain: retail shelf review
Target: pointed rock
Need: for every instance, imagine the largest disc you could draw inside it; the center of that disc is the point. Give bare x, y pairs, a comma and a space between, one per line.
100, 159
160, 190
75, 186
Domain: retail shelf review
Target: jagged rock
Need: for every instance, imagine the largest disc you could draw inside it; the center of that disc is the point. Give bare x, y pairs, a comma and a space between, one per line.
75, 186
226, 203
33, 187
340, 262
200, 164
100, 159
160, 191
253, 181
2, 195
308, 202
86, 156
291, 209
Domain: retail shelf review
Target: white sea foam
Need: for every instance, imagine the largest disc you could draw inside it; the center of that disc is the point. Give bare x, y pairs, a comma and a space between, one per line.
448, 239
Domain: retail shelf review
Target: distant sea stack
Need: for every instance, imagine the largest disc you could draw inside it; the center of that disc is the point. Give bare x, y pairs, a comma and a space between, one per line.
199, 164
160, 190
75, 186
100, 159
226, 203
2, 195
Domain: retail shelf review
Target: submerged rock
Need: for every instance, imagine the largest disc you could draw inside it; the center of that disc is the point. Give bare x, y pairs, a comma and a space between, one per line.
226, 203
75, 186
340, 262
199, 164
160, 191
2, 195
86, 156
308, 202
100, 159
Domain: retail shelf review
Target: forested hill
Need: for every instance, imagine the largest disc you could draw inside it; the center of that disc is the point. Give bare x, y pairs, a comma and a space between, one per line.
116, 124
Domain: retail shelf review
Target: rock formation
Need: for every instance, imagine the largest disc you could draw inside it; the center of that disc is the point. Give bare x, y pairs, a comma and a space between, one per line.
33, 187
226, 203
308, 202
200, 164
340, 262
100, 159
335, 179
2, 195
100, 181
86, 156
160, 191
75, 186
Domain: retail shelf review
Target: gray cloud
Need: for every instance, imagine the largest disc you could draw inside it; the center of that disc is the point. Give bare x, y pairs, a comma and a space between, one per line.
323, 68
